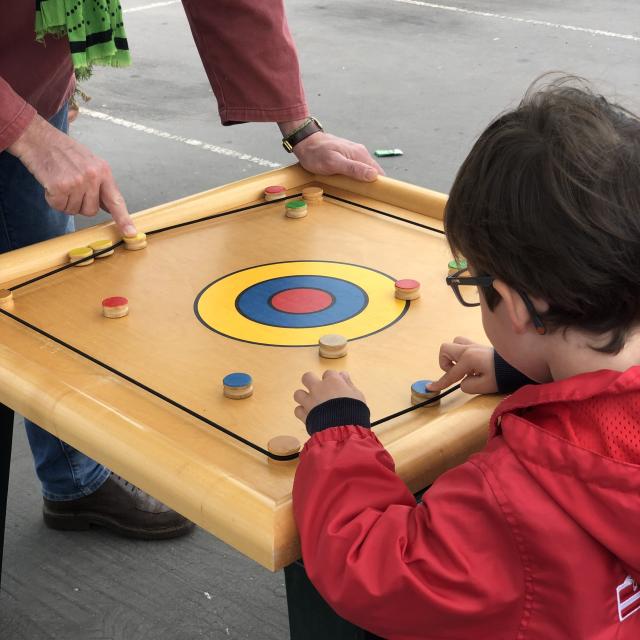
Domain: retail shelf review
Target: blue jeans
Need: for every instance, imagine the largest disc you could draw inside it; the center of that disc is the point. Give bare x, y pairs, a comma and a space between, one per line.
26, 218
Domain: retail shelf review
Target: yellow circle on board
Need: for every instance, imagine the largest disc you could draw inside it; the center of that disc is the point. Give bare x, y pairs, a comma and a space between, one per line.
216, 305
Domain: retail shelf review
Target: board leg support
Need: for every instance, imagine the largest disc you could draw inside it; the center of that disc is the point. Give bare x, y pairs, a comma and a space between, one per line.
6, 440
310, 617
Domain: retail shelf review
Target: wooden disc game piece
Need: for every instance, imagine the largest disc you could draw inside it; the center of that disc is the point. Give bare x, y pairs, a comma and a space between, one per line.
332, 345
457, 265
101, 246
134, 243
312, 195
276, 192
237, 386
6, 298
296, 209
115, 307
283, 446
81, 252
420, 393
407, 289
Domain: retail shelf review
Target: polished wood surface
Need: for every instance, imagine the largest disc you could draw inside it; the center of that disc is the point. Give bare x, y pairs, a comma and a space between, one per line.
223, 485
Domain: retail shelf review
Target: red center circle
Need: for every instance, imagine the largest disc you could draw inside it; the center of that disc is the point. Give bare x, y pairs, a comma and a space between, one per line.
301, 300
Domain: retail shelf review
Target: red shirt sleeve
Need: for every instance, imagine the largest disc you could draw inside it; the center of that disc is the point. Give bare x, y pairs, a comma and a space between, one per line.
446, 568
15, 115
250, 59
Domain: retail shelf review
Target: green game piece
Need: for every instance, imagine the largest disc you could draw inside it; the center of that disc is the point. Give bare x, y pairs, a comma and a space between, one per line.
454, 264
296, 204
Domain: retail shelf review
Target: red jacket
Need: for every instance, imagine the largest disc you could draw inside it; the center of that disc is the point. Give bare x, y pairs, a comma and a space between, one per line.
245, 46
535, 537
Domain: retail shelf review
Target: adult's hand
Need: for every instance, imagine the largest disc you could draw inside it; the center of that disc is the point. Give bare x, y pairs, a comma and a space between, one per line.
326, 155
75, 180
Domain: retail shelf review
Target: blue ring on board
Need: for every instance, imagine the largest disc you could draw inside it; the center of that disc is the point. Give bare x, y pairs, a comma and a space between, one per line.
254, 303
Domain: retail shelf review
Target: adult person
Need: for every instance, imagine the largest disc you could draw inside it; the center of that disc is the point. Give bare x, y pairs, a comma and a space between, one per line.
251, 62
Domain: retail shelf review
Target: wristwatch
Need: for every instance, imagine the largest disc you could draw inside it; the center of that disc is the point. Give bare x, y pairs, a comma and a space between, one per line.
309, 126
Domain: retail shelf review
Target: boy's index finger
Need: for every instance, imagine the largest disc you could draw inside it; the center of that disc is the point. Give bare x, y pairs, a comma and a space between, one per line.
455, 373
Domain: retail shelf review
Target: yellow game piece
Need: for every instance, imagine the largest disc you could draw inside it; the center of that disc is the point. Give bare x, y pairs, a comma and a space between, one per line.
407, 289
6, 298
101, 245
283, 446
133, 243
295, 209
420, 393
333, 345
312, 195
81, 252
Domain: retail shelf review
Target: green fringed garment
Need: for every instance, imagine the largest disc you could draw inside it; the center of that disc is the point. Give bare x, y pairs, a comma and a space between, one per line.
94, 27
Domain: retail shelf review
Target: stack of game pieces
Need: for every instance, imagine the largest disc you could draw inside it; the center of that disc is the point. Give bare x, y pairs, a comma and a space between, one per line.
312, 195
133, 243
76, 255
101, 245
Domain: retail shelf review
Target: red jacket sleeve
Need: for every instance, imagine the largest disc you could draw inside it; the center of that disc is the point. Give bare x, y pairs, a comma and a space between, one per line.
15, 115
446, 568
250, 59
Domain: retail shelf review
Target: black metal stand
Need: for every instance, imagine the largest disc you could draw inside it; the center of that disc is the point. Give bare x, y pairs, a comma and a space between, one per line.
310, 617
6, 439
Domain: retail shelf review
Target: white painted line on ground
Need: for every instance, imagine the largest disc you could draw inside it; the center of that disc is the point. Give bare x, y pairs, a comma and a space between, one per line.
153, 5
213, 148
541, 23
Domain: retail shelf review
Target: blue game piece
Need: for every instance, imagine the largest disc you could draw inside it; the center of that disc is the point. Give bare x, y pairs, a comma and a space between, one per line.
420, 387
237, 379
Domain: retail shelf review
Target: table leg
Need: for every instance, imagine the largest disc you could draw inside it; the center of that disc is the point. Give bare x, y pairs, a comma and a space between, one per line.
6, 438
310, 617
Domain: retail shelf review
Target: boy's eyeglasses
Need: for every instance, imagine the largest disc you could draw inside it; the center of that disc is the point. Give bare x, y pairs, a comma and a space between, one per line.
471, 297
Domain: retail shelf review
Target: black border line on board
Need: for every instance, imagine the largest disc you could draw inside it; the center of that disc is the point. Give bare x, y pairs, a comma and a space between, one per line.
148, 233
176, 404
385, 213
144, 387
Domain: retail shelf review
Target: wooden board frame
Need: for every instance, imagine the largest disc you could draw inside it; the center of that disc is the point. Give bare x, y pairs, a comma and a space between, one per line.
134, 433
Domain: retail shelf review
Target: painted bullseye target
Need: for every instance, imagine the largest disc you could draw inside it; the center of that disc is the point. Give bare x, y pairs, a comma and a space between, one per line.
294, 303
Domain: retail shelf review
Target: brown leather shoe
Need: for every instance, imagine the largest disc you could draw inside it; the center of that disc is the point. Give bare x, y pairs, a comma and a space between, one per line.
120, 507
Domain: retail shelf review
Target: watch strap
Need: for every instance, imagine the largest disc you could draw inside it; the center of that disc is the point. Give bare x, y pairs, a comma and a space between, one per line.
307, 128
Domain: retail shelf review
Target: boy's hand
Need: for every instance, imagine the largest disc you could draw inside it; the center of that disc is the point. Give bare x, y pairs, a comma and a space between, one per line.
467, 361
334, 384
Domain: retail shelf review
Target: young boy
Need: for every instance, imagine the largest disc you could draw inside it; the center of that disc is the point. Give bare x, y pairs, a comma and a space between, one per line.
537, 535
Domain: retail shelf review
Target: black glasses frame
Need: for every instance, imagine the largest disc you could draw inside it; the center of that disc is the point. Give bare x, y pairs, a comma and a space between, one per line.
456, 280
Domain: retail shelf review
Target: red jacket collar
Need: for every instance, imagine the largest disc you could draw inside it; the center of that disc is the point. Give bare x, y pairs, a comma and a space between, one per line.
580, 387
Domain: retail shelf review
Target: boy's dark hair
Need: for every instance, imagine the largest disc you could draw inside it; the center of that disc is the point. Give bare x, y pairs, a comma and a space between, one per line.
548, 201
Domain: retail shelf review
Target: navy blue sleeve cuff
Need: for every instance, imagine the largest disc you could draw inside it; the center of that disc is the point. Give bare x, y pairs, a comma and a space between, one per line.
337, 413
508, 378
